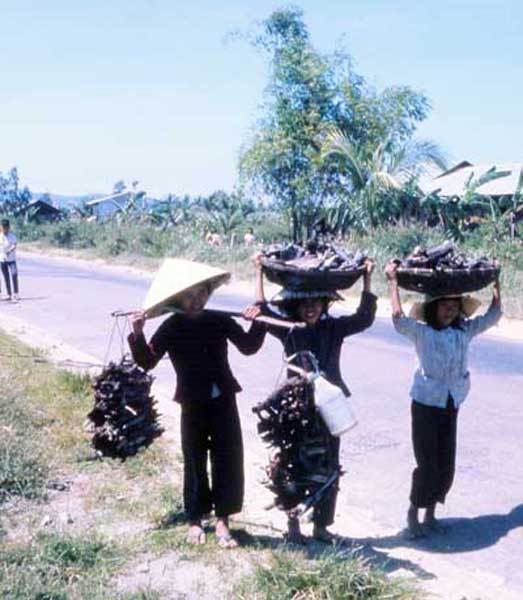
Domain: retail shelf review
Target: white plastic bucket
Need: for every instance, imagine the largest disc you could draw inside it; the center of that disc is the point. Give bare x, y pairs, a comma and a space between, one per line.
334, 407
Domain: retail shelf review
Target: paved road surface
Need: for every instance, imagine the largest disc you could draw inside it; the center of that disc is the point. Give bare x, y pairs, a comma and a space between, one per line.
73, 301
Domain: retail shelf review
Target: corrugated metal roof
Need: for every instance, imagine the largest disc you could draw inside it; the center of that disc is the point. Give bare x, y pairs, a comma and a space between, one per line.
117, 199
452, 183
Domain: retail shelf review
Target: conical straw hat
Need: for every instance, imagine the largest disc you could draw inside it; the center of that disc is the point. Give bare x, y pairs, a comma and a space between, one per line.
175, 276
469, 306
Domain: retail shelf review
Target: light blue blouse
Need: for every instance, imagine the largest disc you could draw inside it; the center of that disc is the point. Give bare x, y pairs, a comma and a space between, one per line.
442, 357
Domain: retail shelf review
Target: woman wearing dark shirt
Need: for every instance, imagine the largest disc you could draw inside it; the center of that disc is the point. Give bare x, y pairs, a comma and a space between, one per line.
323, 335
196, 343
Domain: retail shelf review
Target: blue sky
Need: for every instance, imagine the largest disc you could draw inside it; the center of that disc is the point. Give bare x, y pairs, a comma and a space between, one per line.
94, 91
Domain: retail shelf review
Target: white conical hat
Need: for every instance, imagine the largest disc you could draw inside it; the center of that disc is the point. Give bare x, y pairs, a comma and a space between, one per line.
469, 306
175, 276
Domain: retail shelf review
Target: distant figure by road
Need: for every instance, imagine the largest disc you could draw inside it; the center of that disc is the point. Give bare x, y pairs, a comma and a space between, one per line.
213, 238
8, 243
249, 238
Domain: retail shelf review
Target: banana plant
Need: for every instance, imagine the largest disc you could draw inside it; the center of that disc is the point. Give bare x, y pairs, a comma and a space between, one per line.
225, 212
377, 178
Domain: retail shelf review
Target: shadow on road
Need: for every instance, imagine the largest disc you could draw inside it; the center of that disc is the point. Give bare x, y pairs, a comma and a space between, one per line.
273, 539
351, 548
464, 535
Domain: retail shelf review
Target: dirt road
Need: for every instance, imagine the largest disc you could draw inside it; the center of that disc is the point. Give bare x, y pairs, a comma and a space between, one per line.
481, 557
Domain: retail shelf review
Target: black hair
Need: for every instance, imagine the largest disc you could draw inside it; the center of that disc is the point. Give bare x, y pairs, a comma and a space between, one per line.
430, 313
5, 223
290, 307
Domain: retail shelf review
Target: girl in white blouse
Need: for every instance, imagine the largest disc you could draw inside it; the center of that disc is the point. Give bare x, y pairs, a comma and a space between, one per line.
441, 331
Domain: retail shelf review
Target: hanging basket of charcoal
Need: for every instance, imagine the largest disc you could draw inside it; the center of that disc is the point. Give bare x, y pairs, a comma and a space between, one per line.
124, 418
442, 271
299, 472
316, 266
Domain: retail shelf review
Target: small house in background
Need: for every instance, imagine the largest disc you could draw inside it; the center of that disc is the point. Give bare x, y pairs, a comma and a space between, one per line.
107, 206
451, 184
39, 211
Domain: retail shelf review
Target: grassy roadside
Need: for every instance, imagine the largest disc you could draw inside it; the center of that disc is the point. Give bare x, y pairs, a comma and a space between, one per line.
53, 543
74, 528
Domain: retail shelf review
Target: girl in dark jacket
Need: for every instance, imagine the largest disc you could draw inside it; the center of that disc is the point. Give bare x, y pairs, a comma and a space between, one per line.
196, 342
323, 335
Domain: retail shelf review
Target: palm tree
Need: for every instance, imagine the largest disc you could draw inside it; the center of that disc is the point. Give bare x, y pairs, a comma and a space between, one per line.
378, 177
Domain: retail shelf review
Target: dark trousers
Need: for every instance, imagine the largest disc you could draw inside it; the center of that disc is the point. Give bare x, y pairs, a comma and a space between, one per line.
323, 515
211, 429
434, 442
9, 270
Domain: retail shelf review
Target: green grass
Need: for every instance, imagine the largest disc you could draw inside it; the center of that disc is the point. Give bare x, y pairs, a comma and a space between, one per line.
42, 418
23, 470
58, 566
43, 410
330, 576
42, 439
145, 245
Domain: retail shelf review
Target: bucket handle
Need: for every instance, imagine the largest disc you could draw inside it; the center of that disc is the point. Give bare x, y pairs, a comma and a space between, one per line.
310, 376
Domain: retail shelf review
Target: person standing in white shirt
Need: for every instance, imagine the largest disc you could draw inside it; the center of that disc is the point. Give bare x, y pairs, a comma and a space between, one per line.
249, 238
8, 242
441, 331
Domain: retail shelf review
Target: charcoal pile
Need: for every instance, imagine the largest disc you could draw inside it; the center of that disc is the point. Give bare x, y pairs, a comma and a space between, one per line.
289, 424
316, 265
124, 418
442, 270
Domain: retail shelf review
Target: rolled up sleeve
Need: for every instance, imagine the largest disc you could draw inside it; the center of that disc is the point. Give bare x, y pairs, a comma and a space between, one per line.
408, 327
480, 324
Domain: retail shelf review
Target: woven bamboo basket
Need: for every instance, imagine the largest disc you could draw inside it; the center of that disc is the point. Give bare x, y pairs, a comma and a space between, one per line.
446, 282
305, 280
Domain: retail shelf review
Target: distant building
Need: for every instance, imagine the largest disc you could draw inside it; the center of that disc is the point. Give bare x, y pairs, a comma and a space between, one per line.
109, 205
452, 183
39, 211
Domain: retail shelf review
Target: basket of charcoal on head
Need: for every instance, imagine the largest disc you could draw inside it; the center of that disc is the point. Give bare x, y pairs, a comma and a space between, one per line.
124, 418
301, 421
441, 271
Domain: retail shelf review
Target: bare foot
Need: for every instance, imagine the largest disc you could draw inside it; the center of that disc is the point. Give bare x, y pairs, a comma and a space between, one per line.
294, 535
206, 520
414, 529
223, 534
196, 535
